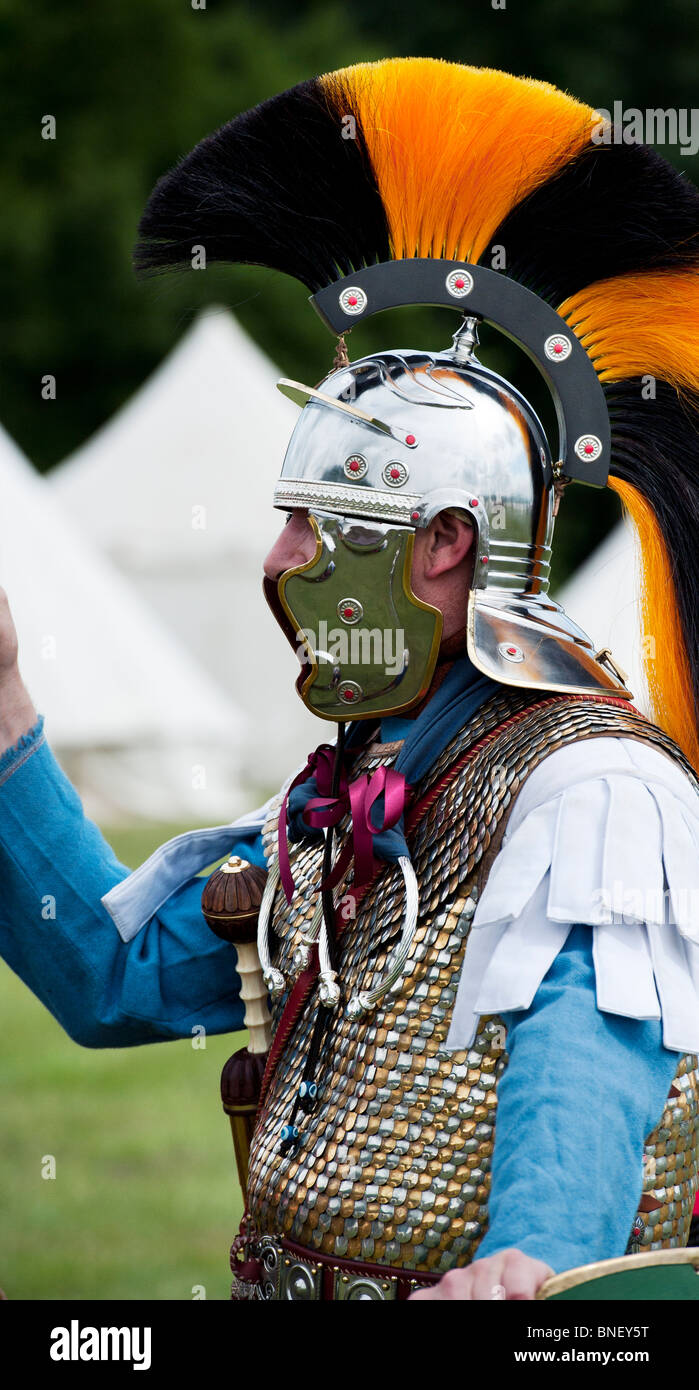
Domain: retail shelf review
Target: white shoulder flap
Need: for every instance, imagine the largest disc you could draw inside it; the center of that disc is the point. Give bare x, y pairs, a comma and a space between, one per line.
605, 832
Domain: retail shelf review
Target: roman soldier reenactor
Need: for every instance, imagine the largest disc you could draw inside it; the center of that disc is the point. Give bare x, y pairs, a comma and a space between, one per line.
475, 907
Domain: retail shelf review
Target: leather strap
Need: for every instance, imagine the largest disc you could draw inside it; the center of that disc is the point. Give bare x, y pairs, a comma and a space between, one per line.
407, 1280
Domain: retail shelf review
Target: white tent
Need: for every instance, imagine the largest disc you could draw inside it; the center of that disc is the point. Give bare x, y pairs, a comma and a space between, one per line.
177, 490
603, 596
134, 720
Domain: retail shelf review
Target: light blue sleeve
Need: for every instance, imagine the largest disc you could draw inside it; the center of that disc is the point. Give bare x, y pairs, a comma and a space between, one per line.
581, 1092
55, 866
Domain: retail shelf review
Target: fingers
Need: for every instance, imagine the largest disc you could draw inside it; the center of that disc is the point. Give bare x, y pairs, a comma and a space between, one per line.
454, 1285
490, 1277
476, 1281
521, 1275
525, 1276
8, 637
507, 1275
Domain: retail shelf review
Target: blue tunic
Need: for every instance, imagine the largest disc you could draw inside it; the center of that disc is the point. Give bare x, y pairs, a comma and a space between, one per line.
55, 866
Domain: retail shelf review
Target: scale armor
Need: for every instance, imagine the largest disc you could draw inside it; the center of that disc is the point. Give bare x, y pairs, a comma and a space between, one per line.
393, 1168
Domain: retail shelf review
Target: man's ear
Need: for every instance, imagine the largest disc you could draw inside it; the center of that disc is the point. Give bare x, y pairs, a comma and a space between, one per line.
448, 540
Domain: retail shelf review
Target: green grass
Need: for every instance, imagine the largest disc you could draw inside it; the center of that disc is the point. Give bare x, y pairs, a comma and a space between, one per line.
146, 1200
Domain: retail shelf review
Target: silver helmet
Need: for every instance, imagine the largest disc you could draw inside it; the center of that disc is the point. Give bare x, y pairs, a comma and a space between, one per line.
381, 447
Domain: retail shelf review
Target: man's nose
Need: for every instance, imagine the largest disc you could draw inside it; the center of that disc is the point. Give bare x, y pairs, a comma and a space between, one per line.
295, 545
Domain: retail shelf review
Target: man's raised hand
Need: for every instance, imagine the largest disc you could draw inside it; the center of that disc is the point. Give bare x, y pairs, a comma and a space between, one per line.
17, 712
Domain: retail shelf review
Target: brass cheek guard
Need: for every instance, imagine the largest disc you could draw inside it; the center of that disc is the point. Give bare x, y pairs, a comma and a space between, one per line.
371, 644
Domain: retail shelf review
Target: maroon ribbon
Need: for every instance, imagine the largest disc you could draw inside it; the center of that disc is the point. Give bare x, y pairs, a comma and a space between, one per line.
319, 765
358, 798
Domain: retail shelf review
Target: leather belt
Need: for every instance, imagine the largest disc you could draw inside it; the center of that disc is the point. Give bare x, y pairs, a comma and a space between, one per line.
278, 1270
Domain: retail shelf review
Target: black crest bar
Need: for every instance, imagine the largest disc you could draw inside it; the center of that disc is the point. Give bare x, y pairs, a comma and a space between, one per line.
581, 409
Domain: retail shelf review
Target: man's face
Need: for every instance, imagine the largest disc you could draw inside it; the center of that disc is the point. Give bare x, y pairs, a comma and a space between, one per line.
442, 561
